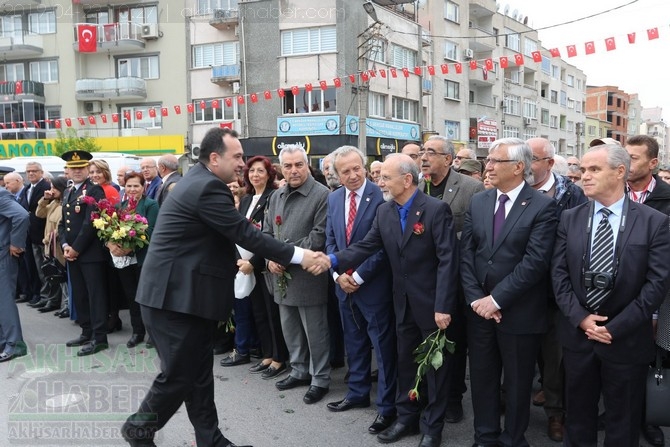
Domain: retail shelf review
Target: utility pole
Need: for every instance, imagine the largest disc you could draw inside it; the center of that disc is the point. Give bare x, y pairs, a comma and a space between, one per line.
363, 91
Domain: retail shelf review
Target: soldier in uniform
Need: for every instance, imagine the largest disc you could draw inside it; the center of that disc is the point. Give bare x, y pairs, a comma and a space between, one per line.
85, 255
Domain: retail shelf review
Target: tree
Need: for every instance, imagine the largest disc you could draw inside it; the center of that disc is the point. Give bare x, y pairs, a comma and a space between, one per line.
70, 141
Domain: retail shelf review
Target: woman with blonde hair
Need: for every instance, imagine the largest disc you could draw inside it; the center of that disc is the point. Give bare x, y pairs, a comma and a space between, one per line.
100, 174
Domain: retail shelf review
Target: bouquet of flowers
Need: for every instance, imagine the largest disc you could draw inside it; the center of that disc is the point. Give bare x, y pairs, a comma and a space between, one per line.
122, 226
430, 353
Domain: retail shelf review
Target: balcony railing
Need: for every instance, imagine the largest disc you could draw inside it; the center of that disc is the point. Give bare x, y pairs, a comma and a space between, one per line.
223, 17
22, 88
427, 86
110, 36
18, 45
111, 88
225, 73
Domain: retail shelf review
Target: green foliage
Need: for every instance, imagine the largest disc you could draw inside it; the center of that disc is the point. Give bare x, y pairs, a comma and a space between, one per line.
70, 141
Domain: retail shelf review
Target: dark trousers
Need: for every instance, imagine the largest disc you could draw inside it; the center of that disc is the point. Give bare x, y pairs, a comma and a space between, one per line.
552, 366
129, 278
458, 333
90, 299
492, 354
410, 335
184, 345
245, 330
622, 386
335, 324
268, 323
33, 278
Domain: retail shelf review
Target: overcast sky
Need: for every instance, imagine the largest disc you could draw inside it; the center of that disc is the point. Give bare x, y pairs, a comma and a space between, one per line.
638, 68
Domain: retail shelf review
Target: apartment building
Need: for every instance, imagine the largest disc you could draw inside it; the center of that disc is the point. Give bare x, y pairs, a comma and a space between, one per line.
611, 104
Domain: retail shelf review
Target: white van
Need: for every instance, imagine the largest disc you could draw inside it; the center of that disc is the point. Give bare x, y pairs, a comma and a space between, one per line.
117, 159
54, 165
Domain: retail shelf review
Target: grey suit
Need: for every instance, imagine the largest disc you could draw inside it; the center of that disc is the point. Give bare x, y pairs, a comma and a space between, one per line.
303, 309
13, 231
166, 187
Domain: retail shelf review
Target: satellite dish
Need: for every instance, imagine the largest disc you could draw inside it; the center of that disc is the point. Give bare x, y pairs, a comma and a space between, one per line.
520, 19
497, 6
515, 14
506, 10
525, 20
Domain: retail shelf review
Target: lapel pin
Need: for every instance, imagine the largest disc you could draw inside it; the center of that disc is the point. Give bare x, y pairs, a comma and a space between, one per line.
451, 190
418, 213
367, 199
523, 203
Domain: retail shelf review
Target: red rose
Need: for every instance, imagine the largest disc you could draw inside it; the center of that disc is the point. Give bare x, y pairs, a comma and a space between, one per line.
88, 200
278, 220
413, 395
418, 228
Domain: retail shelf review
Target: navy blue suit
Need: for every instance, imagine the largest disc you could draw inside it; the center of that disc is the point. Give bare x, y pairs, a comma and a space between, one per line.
152, 190
367, 314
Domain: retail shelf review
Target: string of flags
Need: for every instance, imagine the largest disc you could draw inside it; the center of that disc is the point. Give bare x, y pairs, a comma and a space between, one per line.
365, 76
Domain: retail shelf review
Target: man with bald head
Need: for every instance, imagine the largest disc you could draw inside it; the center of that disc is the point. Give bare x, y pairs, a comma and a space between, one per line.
167, 169
152, 181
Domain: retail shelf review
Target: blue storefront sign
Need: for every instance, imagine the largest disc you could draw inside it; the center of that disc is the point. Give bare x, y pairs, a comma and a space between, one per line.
308, 125
384, 128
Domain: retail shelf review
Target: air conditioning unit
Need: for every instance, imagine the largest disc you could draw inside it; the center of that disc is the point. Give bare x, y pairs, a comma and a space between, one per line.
236, 87
93, 106
527, 121
195, 151
468, 53
237, 30
150, 31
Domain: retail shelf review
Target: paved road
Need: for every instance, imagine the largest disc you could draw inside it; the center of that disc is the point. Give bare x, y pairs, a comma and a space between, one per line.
53, 398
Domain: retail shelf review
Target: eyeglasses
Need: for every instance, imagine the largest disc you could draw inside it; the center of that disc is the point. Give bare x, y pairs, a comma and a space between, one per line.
460, 157
430, 153
414, 156
387, 178
495, 161
540, 159
32, 171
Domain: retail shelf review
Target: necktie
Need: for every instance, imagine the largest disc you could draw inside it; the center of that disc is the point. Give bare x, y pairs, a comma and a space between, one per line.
146, 186
352, 215
30, 192
602, 259
403, 217
499, 217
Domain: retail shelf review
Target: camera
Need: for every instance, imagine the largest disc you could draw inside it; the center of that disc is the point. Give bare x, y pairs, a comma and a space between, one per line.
599, 280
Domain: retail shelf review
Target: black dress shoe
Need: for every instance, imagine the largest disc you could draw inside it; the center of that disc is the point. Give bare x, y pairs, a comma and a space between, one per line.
39, 304
136, 436
273, 372
135, 340
92, 348
291, 382
346, 404
64, 314
430, 441
235, 358
259, 367
314, 394
79, 341
454, 413
149, 344
381, 423
23, 299
653, 435
396, 431
34, 301
48, 308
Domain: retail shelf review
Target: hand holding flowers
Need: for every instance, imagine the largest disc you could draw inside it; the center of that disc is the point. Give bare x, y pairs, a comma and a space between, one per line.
430, 353
123, 227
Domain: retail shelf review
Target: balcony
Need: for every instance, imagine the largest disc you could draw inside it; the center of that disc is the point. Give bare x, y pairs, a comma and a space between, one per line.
21, 90
101, 2
223, 18
21, 46
224, 74
115, 37
481, 77
426, 39
481, 39
427, 87
110, 88
482, 8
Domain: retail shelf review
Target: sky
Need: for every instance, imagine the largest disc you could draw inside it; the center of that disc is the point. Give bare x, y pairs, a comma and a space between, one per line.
638, 68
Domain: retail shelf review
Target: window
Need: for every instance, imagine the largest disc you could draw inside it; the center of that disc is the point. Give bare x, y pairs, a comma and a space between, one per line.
529, 46
44, 71
378, 50
402, 57
529, 108
571, 126
514, 76
512, 105
571, 103
512, 40
452, 130
11, 26
451, 11
52, 113
144, 121
451, 51
42, 22
145, 67
452, 90
405, 109
579, 84
570, 80
546, 65
553, 121
137, 14
308, 41
554, 96
578, 106
12, 72
544, 117
377, 104
564, 99
591, 131
208, 6
210, 113
529, 132
215, 54
309, 102
510, 132
555, 72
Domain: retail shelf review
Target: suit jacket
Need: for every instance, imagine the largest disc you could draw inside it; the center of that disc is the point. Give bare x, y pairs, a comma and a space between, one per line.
458, 192
75, 227
13, 224
37, 224
514, 269
191, 264
166, 186
375, 270
640, 286
303, 214
153, 188
424, 266
257, 217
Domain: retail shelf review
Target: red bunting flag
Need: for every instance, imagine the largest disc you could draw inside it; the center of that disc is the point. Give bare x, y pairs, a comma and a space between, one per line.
365, 77
352, 79
215, 103
518, 59
610, 44
537, 56
91, 119
405, 72
18, 87
13, 125
372, 73
203, 104
240, 99
504, 62
417, 71
254, 98
3, 125
152, 112
57, 124
190, 107
115, 117
25, 124
103, 117
382, 72
295, 90
126, 115
138, 114
485, 73
226, 125
229, 102
444, 68
81, 120
589, 47
68, 122
323, 85
555, 52
280, 92
337, 82
164, 111
308, 87
473, 64
267, 94
652, 33
459, 68
394, 72
177, 109
572, 50
36, 124
431, 70
488, 63
631, 37
87, 37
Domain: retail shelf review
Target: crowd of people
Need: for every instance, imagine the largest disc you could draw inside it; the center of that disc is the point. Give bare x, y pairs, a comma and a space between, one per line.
366, 261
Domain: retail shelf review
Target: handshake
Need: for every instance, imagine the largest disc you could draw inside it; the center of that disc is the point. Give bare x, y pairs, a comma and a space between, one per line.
315, 262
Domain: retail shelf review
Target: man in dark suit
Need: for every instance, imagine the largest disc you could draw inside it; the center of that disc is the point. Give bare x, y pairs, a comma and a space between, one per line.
152, 181
417, 233
364, 293
610, 275
167, 169
85, 254
506, 248
185, 288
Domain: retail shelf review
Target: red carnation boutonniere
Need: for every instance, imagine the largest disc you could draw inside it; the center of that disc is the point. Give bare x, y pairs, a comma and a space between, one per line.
418, 229
278, 221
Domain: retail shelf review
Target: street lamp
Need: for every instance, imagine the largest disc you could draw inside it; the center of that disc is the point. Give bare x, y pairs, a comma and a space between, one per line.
370, 9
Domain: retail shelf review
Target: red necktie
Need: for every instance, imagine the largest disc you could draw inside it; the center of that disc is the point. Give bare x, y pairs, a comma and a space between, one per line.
352, 215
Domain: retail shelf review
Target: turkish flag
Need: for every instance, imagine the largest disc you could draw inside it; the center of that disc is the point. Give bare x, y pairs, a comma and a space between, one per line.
485, 73
177, 109
152, 113
25, 124
518, 59
87, 38
631, 37
126, 115
394, 72
431, 70
572, 50
473, 65
555, 52
3, 125
91, 119
323, 85
240, 99
190, 107
382, 72
337, 82
459, 68
537, 56
589, 47
18, 87
57, 123
103, 117
405, 72
68, 122
280, 93
444, 68
295, 90
417, 71
504, 62
267, 94
229, 102
82, 121
138, 114
352, 79
203, 104
254, 98
226, 125
372, 73
115, 117
13, 125
488, 63
308, 87
365, 77
164, 111
610, 44
215, 103
36, 124
652, 33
